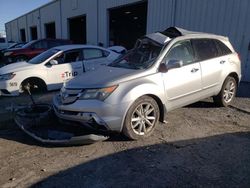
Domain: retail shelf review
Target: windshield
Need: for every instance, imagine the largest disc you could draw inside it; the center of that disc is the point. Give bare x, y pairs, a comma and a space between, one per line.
43, 56
28, 44
142, 56
12, 46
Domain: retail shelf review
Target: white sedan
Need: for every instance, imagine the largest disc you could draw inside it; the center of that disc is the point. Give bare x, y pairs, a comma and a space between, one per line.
49, 70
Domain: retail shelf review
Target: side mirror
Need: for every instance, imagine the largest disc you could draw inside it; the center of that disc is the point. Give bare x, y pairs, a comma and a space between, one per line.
53, 62
170, 64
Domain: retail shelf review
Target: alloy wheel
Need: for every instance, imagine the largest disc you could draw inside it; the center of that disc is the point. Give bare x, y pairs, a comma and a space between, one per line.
229, 91
143, 118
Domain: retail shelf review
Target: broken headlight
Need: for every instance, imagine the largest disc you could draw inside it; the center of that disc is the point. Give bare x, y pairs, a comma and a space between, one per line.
99, 94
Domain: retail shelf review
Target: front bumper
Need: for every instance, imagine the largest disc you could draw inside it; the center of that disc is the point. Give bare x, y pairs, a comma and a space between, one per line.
95, 113
9, 88
45, 128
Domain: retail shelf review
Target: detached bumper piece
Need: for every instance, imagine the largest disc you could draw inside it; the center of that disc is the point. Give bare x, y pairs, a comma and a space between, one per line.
41, 124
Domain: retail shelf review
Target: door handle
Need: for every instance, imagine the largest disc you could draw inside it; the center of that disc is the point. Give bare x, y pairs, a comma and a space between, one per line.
194, 70
222, 62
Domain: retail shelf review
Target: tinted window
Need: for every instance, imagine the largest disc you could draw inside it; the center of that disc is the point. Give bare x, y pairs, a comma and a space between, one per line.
68, 57
181, 51
205, 49
54, 43
223, 49
40, 44
92, 53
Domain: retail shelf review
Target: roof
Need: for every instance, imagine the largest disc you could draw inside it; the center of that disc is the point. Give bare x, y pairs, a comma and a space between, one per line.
173, 32
75, 46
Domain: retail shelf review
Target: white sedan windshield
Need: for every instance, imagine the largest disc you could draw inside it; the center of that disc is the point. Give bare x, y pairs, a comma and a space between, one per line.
43, 56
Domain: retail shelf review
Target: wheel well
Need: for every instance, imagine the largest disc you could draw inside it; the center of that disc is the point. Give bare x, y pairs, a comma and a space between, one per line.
36, 80
161, 107
235, 76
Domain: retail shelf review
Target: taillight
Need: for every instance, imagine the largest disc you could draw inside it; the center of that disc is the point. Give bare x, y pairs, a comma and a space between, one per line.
238, 56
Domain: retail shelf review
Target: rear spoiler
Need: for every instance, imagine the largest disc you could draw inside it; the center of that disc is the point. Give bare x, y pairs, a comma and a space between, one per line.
118, 49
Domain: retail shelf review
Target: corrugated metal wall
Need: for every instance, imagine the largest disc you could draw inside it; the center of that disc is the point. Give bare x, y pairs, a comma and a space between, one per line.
33, 20
160, 15
224, 17
14, 27
22, 24
103, 17
75, 8
48, 14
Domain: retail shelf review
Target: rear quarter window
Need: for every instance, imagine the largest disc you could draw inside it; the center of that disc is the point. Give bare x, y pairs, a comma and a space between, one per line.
92, 53
223, 49
205, 49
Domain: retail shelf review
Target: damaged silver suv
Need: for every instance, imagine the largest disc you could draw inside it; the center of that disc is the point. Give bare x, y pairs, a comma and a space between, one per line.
164, 71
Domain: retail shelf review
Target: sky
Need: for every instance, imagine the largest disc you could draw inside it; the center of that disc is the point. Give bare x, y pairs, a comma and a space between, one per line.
11, 9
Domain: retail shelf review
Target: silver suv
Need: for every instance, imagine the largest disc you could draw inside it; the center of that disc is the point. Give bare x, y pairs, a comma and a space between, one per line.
164, 71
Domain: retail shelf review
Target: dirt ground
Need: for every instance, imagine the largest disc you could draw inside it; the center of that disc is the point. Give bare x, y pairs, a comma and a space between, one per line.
200, 146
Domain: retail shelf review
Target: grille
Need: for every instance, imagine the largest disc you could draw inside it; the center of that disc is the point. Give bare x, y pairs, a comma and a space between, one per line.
69, 96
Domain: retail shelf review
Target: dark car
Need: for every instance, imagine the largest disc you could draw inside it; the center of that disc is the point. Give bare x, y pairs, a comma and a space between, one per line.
32, 49
13, 46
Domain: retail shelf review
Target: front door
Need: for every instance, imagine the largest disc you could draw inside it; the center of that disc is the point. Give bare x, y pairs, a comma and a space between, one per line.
69, 65
182, 85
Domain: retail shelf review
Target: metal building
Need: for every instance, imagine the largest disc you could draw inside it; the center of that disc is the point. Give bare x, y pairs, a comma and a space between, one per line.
122, 21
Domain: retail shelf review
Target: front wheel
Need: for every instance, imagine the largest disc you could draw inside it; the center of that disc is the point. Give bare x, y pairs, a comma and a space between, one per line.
141, 118
227, 93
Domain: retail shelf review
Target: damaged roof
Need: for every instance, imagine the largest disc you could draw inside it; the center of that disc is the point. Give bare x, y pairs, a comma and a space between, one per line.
173, 32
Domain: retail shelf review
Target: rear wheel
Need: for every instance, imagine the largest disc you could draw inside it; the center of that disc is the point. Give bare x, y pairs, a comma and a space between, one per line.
227, 93
141, 118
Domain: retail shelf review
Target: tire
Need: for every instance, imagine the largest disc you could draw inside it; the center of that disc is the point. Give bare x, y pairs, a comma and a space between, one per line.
21, 58
35, 85
227, 93
141, 118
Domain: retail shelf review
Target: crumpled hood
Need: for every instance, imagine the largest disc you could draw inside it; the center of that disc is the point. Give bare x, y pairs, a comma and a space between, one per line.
103, 76
15, 67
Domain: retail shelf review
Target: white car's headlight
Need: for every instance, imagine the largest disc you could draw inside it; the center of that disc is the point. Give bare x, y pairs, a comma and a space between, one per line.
8, 76
7, 53
99, 94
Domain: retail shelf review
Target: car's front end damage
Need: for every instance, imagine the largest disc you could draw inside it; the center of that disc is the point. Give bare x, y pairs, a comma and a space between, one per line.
40, 123
93, 113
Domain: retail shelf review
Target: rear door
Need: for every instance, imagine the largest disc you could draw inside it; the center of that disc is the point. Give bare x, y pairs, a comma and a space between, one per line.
183, 84
94, 58
69, 66
211, 61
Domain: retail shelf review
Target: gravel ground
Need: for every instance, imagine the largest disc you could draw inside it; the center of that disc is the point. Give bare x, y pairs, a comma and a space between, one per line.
200, 146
